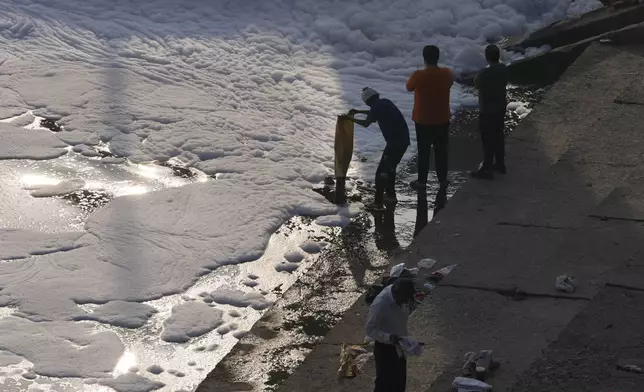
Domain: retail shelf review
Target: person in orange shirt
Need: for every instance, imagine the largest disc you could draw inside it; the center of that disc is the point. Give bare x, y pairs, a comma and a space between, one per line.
432, 114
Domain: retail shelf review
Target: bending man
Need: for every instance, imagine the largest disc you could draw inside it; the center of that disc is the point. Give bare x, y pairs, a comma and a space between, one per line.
396, 133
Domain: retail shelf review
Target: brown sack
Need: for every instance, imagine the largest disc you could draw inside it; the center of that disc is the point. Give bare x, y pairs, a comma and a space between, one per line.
343, 146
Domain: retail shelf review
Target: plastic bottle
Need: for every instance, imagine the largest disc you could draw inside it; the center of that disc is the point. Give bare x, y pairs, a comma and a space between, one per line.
437, 276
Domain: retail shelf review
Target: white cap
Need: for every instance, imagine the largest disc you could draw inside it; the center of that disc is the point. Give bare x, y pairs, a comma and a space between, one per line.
368, 93
398, 269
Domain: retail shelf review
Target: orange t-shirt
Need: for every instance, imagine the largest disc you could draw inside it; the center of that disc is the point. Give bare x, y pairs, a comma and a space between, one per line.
431, 87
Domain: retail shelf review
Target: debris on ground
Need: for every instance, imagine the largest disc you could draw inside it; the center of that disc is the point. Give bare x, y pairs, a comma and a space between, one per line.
479, 364
630, 369
352, 360
426, 263
465, 384
565, 283
439, 275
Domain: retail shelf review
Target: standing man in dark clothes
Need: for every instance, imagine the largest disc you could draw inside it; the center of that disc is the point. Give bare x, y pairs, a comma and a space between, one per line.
432, 114
387, 324
492, 83
396, 133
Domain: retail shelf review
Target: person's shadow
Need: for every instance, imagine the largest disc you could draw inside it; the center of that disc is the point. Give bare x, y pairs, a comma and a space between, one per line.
422, 208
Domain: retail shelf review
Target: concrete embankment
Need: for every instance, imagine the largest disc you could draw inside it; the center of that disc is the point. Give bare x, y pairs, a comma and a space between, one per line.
572, 203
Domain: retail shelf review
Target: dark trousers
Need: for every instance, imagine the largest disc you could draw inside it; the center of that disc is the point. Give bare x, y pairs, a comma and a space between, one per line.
491, 126
386, 173
391, 370
426, 137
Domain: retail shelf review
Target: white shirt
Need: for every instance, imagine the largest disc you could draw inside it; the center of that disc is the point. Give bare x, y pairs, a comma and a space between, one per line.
386, 317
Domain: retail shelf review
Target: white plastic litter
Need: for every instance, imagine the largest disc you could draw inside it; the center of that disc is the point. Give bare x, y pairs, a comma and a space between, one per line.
429, 286
565, 283
464, 384
426, 263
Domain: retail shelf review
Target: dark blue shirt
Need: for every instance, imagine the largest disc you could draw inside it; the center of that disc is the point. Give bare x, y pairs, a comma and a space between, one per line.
492, 83
391, 121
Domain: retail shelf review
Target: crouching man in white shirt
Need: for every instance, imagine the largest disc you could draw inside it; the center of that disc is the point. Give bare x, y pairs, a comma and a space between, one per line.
387, 325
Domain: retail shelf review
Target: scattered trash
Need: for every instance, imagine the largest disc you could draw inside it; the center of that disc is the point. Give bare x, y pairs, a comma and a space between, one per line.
478, 364
469, 366
565, 283
352, 360
464, 384
437, 276
426, 263
630, 369
429, 287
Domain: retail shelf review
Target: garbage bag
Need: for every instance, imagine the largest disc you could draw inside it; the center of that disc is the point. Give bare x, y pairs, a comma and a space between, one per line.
343, 146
